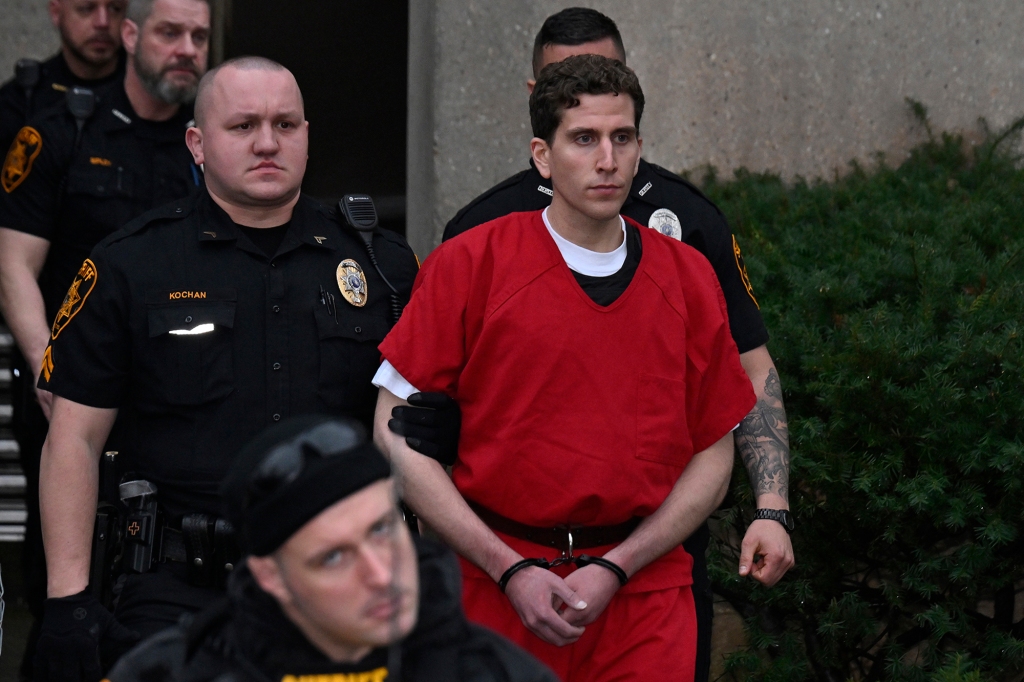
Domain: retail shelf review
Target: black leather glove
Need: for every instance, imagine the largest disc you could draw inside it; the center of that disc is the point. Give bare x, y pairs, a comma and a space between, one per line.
78, 640
430, 424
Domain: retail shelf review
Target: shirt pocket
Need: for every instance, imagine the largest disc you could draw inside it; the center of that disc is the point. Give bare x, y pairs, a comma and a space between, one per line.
101, 181
103, 197
191, 356
663, 434
348, 355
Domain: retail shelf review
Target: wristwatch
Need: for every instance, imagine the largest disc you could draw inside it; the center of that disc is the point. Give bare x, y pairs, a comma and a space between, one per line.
781, 515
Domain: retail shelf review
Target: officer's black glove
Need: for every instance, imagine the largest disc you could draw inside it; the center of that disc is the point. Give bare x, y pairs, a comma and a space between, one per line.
78, 640
430, 424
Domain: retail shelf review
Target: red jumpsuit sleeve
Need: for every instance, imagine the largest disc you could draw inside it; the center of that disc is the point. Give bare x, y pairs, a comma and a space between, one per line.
723, 396
428, 344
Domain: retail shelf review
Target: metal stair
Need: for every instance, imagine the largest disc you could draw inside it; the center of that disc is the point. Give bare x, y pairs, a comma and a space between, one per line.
12, 478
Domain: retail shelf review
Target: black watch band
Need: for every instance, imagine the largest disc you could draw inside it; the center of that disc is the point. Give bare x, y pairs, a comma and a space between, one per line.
781, 515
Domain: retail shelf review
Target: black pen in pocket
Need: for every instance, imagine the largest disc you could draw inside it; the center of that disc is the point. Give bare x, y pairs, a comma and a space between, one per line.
327, 300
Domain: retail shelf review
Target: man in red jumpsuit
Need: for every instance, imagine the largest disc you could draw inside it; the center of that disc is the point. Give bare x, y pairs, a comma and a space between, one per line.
589, 430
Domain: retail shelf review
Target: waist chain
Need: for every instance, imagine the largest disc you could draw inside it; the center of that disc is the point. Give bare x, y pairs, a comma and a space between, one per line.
563, 537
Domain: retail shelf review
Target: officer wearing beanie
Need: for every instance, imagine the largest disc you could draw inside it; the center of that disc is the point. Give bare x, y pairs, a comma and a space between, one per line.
333, 587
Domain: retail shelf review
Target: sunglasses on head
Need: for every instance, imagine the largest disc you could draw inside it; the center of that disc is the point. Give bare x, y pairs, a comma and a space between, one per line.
286, 462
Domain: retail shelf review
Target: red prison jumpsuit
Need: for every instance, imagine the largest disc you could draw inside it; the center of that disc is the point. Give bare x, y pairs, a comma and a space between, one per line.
576, 413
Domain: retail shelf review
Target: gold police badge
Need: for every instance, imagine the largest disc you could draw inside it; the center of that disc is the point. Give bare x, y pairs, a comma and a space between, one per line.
75, 298
352, 282
23, 152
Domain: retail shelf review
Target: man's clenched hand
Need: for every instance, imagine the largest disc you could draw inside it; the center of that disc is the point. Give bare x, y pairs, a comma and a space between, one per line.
768, 540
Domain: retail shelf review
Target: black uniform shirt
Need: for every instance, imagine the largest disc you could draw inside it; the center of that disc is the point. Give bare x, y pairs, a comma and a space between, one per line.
123, 167
188, 402
55, 79
697, 221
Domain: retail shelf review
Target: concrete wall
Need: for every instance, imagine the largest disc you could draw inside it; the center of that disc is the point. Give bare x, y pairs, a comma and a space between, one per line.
25, 31
794, 86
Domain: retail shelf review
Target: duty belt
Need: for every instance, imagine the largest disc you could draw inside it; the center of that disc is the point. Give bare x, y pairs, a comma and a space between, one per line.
565, 537
205, 544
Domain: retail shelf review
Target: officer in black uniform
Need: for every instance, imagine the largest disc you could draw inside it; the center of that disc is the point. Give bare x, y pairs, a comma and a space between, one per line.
70, 179
90, 56
198, 325
664, 201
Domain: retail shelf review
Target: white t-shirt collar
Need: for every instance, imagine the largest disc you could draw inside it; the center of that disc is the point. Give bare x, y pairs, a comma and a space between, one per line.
588, 262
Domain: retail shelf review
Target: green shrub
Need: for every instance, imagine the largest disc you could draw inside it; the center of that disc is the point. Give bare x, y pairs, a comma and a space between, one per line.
895, 300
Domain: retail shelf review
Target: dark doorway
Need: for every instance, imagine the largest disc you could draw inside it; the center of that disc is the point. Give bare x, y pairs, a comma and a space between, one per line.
350, 59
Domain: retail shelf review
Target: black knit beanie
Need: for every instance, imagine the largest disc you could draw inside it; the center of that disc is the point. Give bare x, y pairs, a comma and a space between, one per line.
326, 459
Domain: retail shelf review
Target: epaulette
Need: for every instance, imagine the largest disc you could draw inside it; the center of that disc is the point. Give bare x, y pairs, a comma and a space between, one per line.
389, 235
174, 211
504, 184
394, 238
666, 174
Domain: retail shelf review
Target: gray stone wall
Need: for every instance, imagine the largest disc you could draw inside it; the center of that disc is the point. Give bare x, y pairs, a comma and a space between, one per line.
25, 31
799, 87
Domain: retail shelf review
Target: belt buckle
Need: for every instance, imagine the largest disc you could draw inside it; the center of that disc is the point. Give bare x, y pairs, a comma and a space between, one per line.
567, 556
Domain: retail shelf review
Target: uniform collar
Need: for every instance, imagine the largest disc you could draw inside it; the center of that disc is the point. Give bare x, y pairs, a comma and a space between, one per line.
114, 112
304, 228
57, 71
646, 187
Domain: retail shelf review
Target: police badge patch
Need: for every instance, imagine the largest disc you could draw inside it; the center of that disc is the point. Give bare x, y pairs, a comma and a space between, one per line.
666, 222
742, 267
47, 368
75, 298
23, 152
352, 282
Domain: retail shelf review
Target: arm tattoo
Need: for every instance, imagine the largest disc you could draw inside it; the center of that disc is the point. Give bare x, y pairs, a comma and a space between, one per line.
763, 441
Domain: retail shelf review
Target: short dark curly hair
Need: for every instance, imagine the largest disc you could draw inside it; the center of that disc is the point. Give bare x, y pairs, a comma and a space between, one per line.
560, 84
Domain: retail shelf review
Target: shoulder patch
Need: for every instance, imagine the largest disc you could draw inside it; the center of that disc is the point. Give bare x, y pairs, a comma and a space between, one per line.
742, 267
47, 368
18, 164
81, 287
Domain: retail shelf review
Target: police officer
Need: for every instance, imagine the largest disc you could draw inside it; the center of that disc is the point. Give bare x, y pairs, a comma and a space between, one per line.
197, 326
663, 201
334, 587
69, 181
90, 56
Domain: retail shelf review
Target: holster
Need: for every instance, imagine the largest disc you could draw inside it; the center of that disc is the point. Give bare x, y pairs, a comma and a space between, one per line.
140, 529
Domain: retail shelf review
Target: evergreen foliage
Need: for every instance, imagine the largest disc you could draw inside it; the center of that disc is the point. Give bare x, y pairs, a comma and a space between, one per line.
895, 300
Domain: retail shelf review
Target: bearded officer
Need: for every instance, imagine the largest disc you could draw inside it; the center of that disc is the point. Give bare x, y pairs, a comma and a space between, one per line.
197, 326
663, 201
